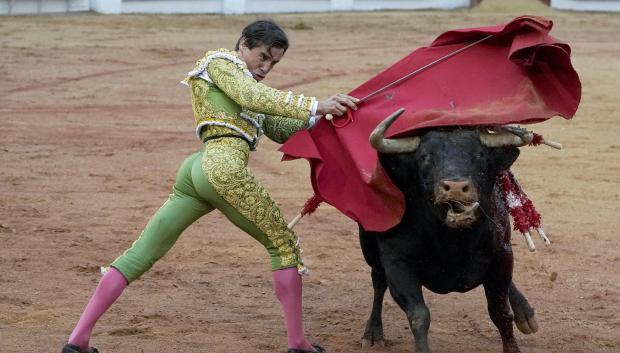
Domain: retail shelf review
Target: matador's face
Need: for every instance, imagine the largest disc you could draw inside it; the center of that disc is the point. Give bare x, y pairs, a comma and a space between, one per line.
261, 59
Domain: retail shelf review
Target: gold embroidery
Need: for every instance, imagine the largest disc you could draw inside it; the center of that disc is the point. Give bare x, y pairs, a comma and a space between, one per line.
214, 131
279, 128
256, 96
232, 92
225, 165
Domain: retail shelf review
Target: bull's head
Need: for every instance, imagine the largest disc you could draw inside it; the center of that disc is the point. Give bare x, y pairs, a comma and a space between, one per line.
453, 169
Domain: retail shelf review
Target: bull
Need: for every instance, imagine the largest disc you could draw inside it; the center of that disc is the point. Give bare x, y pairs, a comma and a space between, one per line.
455, 231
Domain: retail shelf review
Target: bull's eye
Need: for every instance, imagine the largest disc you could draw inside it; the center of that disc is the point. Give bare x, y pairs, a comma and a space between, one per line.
480, 155
425, 158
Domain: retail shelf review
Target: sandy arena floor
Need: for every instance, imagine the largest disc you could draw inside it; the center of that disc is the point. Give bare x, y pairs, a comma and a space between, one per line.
94, 125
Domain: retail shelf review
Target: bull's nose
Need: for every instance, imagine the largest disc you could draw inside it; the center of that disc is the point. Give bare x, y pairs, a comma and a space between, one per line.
456, 186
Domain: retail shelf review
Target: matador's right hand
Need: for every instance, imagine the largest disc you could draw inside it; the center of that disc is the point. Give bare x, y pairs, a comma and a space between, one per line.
337, 105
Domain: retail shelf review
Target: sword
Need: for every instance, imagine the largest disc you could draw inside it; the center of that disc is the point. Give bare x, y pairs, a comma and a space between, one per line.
423, 68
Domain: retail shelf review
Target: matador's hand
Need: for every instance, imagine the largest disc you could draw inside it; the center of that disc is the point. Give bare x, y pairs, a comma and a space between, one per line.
337, 105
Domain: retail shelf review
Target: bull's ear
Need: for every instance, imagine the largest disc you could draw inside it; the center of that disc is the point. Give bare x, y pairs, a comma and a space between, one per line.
504, 157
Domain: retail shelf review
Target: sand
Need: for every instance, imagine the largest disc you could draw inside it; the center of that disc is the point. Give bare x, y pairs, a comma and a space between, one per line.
94, 125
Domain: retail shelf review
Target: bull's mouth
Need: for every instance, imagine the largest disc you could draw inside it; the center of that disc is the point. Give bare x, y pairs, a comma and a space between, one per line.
460, 214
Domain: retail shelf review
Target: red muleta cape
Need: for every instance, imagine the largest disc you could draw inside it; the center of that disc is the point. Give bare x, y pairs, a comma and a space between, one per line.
519, 75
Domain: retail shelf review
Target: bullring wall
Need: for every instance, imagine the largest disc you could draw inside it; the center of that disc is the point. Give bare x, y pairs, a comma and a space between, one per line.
227, 7
230, 7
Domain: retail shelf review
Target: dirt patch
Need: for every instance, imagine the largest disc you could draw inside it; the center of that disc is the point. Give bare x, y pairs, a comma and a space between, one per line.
95, 124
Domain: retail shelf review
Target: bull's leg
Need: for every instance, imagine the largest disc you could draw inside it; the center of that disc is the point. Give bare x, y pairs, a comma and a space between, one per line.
524, 315
497, 299
373, 334
419, 318
407, 292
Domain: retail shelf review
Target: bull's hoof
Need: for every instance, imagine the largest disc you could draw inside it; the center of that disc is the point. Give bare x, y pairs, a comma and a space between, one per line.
373, 335
369, 342
525, 319
527, 326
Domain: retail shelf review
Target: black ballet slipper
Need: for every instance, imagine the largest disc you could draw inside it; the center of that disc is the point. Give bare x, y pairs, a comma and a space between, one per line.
70, 348
317, 349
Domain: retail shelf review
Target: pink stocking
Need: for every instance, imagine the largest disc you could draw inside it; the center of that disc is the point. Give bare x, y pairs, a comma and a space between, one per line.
108, 290
287, 284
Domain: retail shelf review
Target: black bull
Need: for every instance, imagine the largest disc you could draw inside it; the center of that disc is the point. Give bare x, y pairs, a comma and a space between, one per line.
455, 233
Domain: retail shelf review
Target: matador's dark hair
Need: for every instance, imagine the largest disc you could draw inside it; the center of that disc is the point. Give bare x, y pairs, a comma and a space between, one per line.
263, 32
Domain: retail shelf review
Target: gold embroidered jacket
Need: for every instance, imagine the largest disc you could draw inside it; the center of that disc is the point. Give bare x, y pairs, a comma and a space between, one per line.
226, 99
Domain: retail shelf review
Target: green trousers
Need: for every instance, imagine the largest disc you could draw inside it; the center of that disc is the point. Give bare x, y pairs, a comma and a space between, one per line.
215, 178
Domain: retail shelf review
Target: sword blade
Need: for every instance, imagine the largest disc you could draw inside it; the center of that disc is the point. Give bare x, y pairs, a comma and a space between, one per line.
423, 68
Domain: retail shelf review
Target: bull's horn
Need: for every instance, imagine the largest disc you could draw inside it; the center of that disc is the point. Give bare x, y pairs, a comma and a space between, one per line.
524, 134
506, 135
383, 145
501, 139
